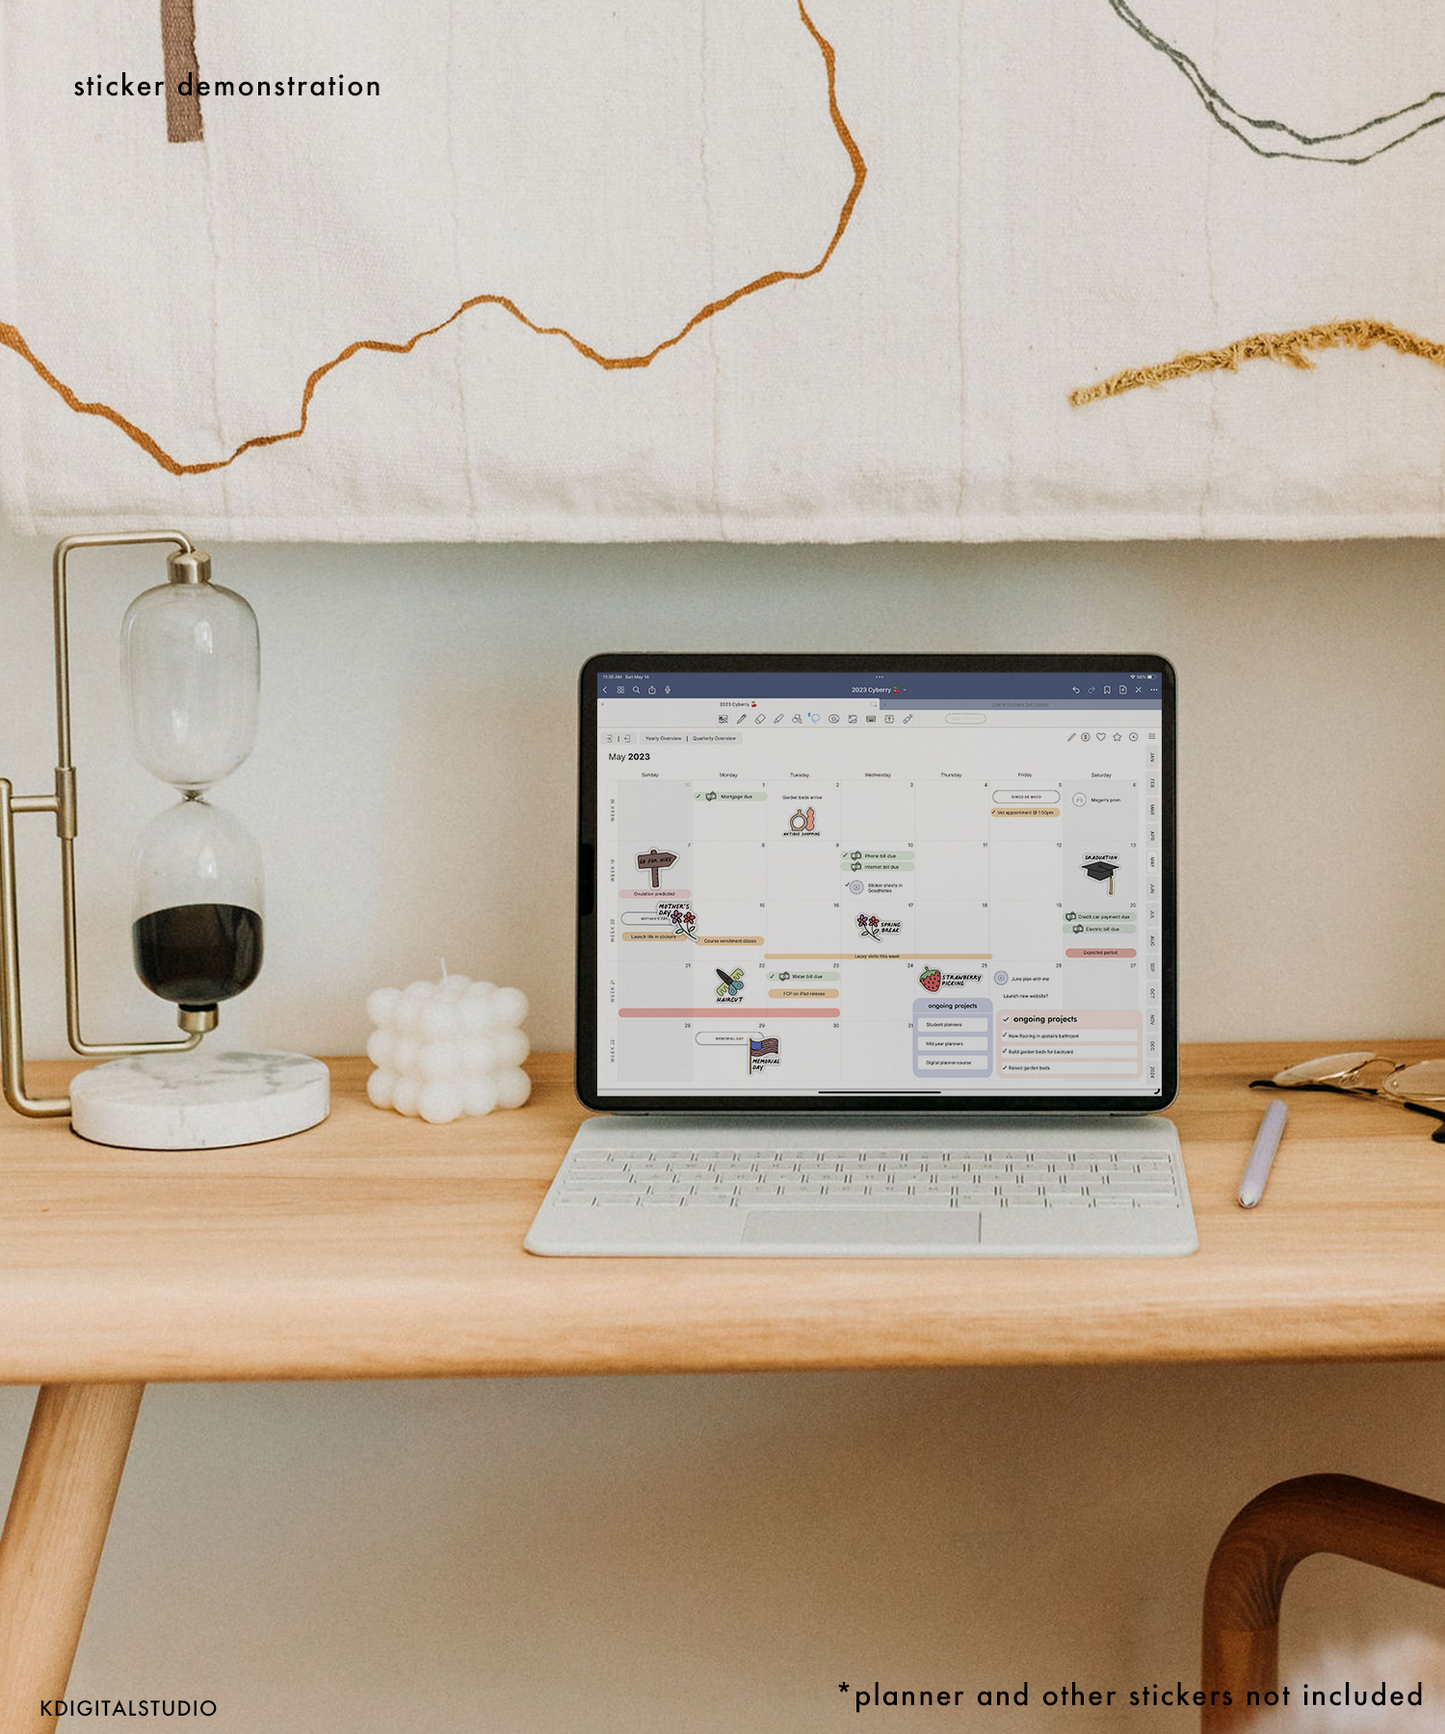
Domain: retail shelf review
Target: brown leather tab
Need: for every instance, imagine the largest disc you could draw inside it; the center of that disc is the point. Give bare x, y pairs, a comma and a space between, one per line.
178, 41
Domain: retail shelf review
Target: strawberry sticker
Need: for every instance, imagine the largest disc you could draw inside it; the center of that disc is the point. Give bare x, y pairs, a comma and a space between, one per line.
932, 980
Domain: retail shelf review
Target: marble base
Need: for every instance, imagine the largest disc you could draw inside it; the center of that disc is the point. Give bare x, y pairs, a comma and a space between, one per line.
202, 1100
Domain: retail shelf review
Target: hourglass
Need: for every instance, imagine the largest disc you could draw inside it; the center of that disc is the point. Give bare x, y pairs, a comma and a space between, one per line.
190, 655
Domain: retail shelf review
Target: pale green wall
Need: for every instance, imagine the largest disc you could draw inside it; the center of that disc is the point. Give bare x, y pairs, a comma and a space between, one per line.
413, 786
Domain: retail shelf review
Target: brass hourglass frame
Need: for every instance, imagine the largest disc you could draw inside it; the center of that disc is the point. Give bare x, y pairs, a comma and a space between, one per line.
188, 565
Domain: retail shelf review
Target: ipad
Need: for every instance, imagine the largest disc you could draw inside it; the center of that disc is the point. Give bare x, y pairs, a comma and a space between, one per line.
901, 884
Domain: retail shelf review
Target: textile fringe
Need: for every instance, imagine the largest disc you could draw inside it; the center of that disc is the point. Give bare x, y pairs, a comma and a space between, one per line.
1287, 346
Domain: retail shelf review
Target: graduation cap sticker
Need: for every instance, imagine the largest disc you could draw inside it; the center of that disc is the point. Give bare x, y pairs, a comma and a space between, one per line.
1099, 871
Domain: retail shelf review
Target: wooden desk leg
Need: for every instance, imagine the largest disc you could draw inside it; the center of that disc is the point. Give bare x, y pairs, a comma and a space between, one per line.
53, 1537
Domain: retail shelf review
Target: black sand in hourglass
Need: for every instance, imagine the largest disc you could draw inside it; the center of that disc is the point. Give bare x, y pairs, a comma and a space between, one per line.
195, 954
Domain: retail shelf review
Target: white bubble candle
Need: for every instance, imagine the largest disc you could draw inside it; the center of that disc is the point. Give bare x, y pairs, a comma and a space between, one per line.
448, 1048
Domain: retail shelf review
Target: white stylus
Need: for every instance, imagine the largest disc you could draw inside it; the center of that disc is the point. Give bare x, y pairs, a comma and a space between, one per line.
1261, 1157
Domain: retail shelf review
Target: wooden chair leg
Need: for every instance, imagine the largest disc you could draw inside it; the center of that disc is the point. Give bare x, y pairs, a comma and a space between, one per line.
53, 1538
1359, 1520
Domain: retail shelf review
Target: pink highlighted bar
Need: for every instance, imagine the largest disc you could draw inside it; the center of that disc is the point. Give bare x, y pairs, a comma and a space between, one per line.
726, 1011
1101, 951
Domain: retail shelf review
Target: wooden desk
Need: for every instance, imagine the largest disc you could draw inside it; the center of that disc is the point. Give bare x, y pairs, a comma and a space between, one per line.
377, 1247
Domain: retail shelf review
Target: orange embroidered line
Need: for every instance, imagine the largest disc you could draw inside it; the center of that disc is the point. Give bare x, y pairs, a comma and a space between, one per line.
1287, 346
10, 337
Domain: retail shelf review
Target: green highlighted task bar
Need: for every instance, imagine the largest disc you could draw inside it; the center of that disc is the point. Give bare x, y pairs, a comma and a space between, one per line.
877, 860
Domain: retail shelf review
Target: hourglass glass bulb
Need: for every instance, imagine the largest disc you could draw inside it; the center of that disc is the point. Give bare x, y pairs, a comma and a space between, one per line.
190, 653
198, 932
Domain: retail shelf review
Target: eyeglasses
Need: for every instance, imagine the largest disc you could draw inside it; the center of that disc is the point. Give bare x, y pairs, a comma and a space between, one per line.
1418, 1086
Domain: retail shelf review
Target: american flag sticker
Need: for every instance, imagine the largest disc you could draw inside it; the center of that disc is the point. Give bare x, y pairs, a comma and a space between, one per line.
769, 1045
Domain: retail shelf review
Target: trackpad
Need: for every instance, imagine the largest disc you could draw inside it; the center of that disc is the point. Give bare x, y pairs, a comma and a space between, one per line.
863, 1228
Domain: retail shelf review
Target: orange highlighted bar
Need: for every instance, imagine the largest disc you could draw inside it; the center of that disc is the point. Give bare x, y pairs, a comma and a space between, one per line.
654, 936
725, 1011
729, 939
802, 993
